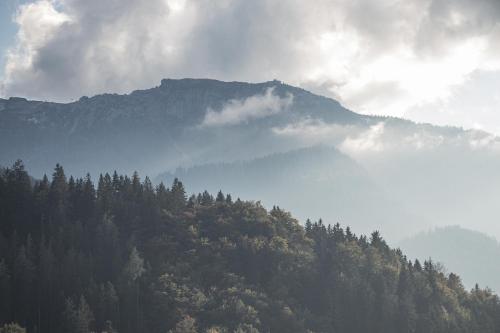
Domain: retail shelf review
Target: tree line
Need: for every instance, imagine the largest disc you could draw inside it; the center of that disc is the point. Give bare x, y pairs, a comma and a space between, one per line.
125, 256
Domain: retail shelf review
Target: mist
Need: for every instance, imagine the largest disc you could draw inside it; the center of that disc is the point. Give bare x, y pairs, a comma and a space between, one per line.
254, 166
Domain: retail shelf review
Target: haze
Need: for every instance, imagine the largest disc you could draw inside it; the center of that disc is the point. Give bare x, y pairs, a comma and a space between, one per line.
418, 151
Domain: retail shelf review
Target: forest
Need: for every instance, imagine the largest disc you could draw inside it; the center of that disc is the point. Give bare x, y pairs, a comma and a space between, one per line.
123, 255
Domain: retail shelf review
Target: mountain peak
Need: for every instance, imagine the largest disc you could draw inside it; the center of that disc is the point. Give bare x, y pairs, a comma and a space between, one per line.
168, 115
204, 82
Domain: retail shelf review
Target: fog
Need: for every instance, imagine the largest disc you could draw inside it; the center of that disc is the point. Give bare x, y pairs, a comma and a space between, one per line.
274, 143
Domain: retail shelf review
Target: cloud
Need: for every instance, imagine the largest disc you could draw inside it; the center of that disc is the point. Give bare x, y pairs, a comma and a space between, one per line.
476, 102
314, 131
388, 137
370, 140
384, 57
254, 107
70, 48
38, 22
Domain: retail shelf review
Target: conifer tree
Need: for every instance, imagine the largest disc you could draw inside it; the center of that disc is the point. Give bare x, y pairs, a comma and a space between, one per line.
220, 197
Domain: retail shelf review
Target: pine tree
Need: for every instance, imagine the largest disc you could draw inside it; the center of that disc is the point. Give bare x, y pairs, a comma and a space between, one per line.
206, 199
136, 184
88, 197
163, 196
406, 320
17, 205
308, 227
179, 198
220, 197
57, 194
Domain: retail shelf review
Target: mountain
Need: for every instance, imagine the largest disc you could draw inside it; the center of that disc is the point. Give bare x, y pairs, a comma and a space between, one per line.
472, 254
124, 257
416, 176
314, 182
161, 124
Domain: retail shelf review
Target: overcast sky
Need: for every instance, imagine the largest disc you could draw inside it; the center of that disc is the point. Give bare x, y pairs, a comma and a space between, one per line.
434, 61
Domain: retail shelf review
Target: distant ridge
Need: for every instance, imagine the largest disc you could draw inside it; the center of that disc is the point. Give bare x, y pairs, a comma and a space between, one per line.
416, 176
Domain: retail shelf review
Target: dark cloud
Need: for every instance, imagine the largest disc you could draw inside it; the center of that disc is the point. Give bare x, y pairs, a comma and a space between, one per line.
448, 23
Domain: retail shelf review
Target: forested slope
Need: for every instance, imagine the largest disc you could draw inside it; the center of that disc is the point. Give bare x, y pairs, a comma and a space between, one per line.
473, 254
124, 256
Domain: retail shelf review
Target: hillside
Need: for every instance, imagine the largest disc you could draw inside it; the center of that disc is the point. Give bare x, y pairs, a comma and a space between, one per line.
315, 182
127, 257
415, 176
473, 254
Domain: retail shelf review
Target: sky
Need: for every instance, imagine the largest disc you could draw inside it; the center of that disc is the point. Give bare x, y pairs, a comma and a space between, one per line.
8, 28
434, 61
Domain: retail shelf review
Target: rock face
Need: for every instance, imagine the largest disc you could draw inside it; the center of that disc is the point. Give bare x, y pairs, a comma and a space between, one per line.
161, 125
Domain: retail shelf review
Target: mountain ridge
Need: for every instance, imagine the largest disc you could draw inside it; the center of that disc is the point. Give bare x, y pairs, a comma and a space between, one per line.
342, 189
162, 114
190, 122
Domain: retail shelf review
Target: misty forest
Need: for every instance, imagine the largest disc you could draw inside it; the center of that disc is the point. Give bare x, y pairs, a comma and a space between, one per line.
122, 255
305, 217
249, 166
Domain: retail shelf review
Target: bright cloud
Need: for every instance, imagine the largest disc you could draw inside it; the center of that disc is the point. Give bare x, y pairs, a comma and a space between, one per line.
254, 107
370, 140
388, 137
313, 131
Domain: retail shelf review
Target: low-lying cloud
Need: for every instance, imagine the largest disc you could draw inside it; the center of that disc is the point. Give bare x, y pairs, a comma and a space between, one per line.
236, 112
310, 131
387, 137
